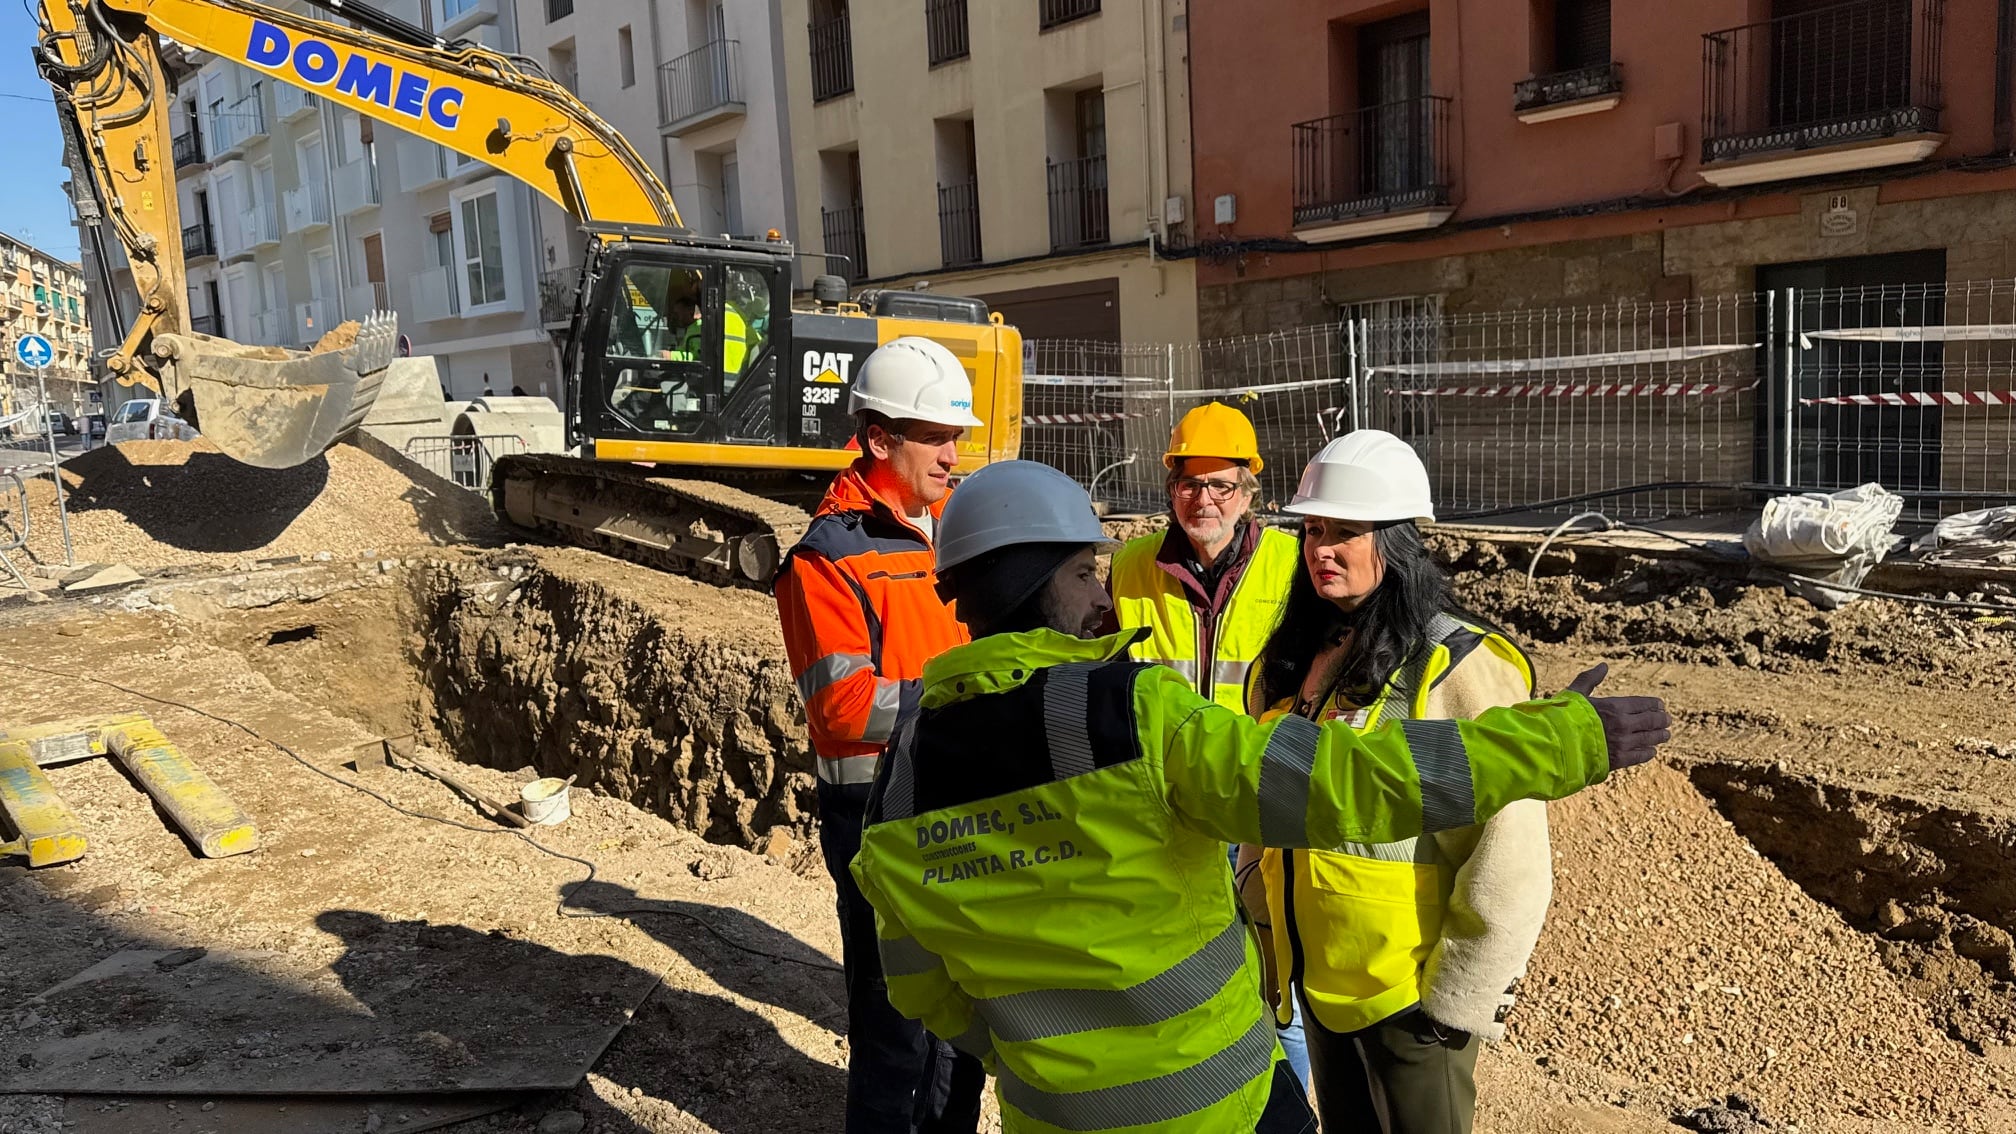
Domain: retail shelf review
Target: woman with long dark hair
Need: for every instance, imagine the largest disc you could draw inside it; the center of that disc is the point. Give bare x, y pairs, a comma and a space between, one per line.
1402, 955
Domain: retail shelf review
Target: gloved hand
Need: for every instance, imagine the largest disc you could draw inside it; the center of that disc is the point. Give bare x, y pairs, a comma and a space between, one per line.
1633, 727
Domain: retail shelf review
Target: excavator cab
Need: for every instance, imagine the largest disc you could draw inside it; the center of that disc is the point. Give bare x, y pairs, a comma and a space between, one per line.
674, 342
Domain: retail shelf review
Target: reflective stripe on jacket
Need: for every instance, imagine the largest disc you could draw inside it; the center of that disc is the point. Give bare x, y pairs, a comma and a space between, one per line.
1356, 928
1145, 594
861, 616
1045, 853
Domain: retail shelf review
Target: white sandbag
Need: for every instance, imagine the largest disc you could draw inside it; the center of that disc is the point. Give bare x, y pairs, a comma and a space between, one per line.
1830, 538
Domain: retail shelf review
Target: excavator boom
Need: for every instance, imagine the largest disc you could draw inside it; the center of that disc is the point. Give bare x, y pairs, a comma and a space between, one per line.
260, 405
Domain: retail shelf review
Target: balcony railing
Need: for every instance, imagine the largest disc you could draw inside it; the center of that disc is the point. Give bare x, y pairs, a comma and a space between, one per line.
434, 295
1853, 72
187, 147
238, 124
702, 86
945, 30
1078, 203
959, 223
1382, 159
207, 325
307, 207
357, 187
832, 58
362, 299
422, 164
557, 290
262, 224
198, 241
1563, 87
291, 102
1059, 12
269, 328
847, 236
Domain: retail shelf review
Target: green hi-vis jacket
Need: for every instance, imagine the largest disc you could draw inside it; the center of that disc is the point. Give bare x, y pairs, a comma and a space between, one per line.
1046, 858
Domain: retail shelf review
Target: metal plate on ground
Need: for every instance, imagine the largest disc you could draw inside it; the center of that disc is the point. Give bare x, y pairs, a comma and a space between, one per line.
409, 1008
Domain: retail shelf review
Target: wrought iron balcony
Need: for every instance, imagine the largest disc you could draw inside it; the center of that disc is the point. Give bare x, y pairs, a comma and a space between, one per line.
557, 291
1854, 72
1078, 203
207, 325
832, 58
1056, 13
1381, 159
188, 148
959, 223
198, 242
701, 87
1562, 87
846, 235
946, 32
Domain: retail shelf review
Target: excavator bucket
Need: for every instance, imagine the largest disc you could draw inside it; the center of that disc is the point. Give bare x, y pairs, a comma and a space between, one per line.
274, 408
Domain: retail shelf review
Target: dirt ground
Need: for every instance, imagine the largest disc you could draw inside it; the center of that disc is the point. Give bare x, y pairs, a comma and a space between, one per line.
1800, 919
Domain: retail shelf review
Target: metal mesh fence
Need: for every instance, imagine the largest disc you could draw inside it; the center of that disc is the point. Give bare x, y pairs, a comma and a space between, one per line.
465, 459
1682, 401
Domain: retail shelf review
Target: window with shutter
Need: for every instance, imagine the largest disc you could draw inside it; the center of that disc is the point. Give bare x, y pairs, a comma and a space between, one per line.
1581, 34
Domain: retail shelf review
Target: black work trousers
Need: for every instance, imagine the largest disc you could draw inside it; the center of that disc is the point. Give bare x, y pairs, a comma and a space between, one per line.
1407, 1074
900, 1078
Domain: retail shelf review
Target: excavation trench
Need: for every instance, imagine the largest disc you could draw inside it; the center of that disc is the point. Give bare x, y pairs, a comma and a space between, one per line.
1934, 886
668, 694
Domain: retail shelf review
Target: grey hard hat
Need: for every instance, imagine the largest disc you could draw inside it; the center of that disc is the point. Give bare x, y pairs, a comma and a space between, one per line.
1011, 502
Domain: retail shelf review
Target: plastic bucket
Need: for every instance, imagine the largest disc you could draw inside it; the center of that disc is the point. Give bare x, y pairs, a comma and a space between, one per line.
544, 801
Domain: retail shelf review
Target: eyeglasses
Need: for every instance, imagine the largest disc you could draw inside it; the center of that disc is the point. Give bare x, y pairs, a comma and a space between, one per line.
1190, 488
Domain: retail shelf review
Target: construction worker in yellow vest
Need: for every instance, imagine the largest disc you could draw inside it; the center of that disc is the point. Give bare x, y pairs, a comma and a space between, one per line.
1045, 837
1401, 955
689, 333
1209, 589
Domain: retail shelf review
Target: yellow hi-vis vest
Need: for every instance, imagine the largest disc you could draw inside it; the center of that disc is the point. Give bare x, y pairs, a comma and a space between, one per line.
1045, 852
1145, 595
1358, 922
734, 341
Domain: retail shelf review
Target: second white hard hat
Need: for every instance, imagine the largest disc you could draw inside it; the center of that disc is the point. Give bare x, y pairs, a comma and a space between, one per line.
915, 379
1367, 475
1011, 502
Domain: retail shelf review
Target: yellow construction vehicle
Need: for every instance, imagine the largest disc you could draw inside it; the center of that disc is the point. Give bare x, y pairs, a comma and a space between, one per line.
686, 445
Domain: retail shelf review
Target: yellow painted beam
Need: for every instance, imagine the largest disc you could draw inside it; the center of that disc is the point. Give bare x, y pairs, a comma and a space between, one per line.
47, 830
210, 818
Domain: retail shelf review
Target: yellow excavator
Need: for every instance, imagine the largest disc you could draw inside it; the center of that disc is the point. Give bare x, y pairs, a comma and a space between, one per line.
702, 412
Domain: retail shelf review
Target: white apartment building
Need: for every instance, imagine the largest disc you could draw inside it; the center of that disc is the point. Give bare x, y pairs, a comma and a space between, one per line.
298, 214
696, 85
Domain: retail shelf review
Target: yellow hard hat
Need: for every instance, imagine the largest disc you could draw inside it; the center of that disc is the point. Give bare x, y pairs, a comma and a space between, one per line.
1214, 429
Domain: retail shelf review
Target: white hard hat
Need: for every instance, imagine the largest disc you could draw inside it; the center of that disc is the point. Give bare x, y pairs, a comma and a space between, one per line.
915, 379
1011, 502
1368, 475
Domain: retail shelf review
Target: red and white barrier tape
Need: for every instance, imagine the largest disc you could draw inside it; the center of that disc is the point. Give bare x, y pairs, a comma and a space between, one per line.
1934, 398
1076, 418
1582, 390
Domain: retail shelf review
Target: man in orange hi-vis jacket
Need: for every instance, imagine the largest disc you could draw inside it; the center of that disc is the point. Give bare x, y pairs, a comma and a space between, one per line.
861, 617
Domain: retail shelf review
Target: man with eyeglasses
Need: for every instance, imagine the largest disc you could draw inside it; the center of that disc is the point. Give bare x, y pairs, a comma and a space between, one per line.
861, 612
1211, 587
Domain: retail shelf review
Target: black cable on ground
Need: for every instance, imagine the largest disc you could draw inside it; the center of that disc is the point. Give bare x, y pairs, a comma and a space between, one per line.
562, 908
1700, 486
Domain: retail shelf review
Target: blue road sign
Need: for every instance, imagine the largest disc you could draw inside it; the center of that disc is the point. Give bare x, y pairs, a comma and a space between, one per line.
33, 351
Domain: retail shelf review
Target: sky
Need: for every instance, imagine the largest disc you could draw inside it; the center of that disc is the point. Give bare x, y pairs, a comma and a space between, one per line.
32, 205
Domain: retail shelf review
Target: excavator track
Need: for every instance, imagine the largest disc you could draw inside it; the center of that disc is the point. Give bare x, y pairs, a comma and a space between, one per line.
702, 528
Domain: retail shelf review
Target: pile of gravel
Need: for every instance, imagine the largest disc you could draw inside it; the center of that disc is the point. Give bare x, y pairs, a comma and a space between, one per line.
1677, 957
172, 503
